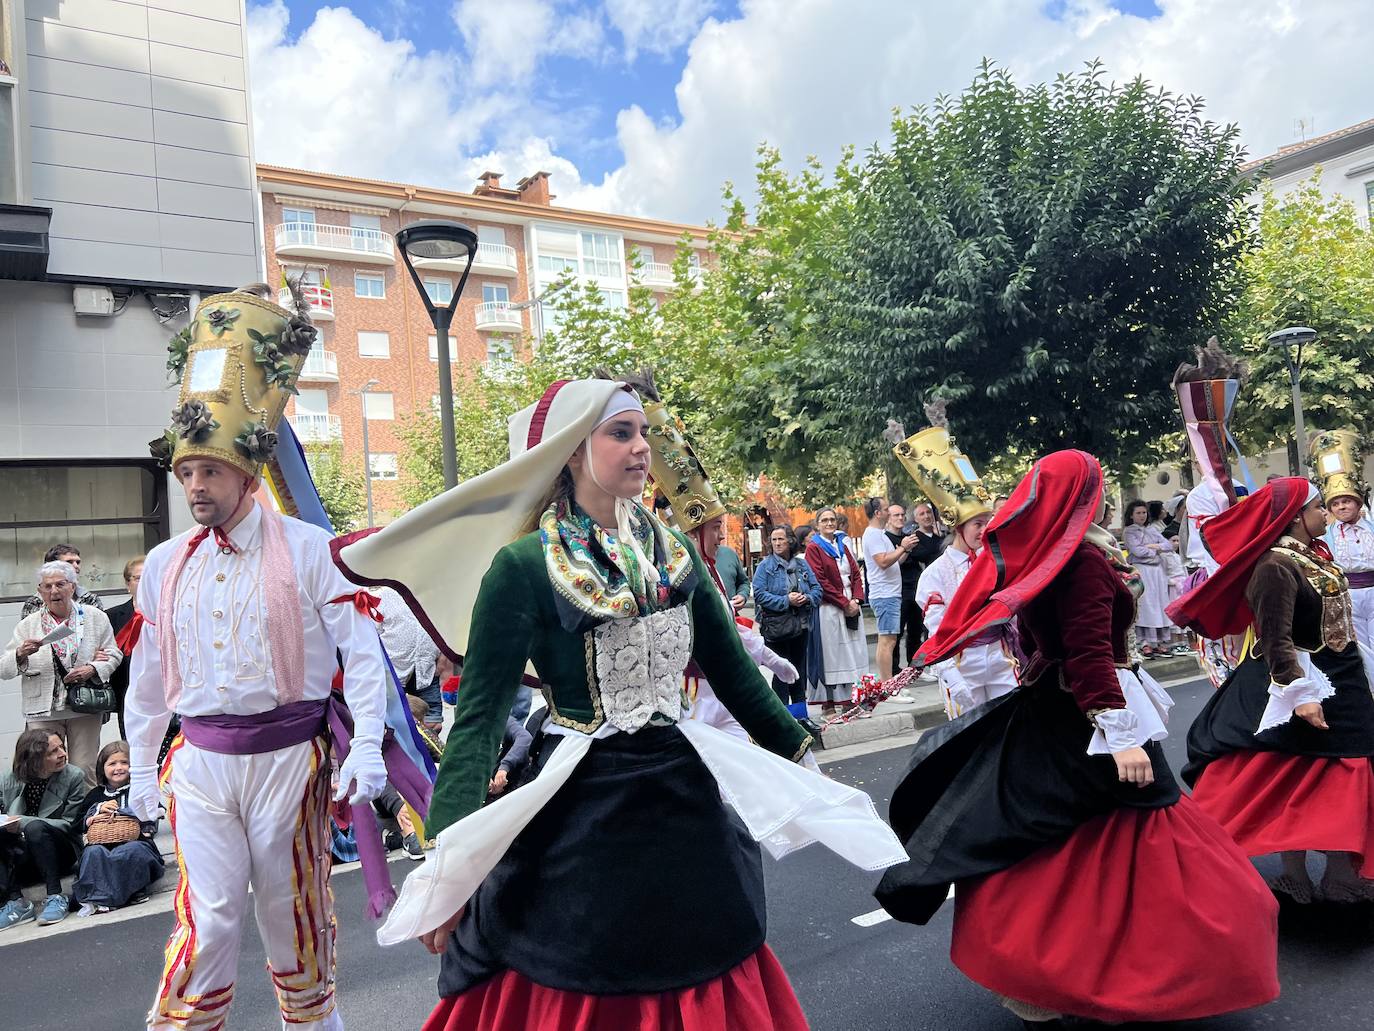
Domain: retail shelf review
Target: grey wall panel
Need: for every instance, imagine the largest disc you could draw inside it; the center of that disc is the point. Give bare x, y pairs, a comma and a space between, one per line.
92, 116
135, 371
205, 201
82, 150
46, 366
222, 10
87, 186
49, 39
193, 98
202, 166
176, 62
107, 16
185, 30
226, 270
46, 407
105, 224
105, 260
87, 80
210, 134
183, 232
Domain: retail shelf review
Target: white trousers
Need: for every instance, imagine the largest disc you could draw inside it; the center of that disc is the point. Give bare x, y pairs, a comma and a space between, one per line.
1362, 607
241, 821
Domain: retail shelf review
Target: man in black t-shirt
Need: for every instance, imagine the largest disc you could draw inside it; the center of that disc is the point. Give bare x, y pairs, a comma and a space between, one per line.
927, 549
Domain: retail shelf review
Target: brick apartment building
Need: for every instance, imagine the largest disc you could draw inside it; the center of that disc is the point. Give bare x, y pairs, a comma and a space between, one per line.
338, 232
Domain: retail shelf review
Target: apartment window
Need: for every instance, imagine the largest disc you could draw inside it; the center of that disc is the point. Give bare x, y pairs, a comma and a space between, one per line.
491, 234
601, 256
312, 402
434, 349
646, 254
298, 217
1369, 199
109, 510
557, 251
614, 298
500, 350
378, 406
495, 293
382, 465
369, 284
373, 344
440, 290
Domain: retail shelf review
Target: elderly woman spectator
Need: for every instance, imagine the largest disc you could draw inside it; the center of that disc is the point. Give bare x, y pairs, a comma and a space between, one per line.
786, 595
69, 554
80, 645
844, 645
1147, 548
40, 829
127, 623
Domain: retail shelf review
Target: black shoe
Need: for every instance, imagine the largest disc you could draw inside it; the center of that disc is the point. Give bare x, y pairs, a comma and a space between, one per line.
391, 840
809, 725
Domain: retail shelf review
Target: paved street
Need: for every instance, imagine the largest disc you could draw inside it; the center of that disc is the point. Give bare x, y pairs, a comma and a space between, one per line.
881, 977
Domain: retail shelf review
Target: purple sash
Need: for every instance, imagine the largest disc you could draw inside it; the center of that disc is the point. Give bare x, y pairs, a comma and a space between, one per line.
298, 722
1360, 580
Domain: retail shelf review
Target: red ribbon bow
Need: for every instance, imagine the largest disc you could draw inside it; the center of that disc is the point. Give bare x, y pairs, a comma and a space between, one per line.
222, 541
366, 603
127, 638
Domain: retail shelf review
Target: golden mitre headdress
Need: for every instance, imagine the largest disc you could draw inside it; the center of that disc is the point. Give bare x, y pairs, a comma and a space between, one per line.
238, 362
941, 471
676, 471
1338, 459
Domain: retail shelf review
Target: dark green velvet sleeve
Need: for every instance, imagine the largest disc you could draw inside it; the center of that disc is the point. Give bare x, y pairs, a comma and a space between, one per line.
718, 651
503, 622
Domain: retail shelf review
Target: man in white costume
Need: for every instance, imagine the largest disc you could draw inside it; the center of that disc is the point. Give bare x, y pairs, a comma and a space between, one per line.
245, 618
985, 669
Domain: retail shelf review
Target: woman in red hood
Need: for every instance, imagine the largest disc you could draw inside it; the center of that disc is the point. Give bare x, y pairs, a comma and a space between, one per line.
1280, 753
1052, 808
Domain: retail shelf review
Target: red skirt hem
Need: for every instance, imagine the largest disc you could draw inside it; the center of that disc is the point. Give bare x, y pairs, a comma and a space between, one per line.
1141, 914
756, 994
1278, 802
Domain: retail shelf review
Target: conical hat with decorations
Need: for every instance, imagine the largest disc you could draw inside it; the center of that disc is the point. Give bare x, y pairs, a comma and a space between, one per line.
238, 362
677, 472
1338, 460
945, 475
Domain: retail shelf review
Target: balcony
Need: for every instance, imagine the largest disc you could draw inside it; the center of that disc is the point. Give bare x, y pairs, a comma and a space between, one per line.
346, 243
320, 299
320, 366
317, 429
658, 276
492, 259
499, 316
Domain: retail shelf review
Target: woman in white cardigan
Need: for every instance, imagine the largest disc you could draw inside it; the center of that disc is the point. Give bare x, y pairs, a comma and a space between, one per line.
87, 651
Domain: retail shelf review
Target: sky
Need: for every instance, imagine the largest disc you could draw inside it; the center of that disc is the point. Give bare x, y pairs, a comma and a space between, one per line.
646, 107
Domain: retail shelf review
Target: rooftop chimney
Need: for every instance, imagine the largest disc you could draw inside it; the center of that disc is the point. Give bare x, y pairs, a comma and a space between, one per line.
534, 189
489, 185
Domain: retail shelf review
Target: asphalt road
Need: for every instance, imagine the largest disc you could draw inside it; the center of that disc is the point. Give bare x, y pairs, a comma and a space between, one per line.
883, 976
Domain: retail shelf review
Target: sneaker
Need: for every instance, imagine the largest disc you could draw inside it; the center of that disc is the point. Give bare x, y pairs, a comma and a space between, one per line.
391, 840
411, 844
16, 911
86, 910
55, 910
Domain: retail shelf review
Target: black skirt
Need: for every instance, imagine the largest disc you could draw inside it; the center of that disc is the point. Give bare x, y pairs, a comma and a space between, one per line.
1227, 722
634, 878
1003, 780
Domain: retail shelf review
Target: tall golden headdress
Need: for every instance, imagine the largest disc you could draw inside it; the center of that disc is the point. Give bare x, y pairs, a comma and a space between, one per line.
677, 472
238, 362
942, 472
1337, 457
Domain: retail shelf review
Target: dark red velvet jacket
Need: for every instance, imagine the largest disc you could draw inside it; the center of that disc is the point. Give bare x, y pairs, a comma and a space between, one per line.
827, 572
1079, 623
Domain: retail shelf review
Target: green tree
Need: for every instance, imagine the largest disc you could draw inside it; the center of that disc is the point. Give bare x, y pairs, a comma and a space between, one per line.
1042, 258
1314, 267
340, 485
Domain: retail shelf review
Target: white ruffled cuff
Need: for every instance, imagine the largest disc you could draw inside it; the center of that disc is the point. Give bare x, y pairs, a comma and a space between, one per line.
1117, 730
1285, 698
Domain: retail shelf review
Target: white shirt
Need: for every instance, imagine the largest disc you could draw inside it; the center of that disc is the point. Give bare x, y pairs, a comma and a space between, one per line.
882, 583
223, 653
1352, 544
1202, 504
980, 671
410, 648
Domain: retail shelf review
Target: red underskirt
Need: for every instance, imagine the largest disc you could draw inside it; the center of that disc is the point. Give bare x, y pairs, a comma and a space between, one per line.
755, 995
1141, 914
1277, 802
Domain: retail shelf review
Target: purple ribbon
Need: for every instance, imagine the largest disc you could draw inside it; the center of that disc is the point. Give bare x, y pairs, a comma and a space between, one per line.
298, 722
1360, 580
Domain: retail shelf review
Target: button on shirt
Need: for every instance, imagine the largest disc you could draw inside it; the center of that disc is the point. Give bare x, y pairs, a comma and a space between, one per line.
220, 627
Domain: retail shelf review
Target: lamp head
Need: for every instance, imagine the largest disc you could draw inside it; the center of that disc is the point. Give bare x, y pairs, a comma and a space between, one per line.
1292, 335
436, 239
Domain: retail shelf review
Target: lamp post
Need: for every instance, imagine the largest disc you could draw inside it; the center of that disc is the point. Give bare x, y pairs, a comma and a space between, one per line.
1292, 340
439, 240
367, 451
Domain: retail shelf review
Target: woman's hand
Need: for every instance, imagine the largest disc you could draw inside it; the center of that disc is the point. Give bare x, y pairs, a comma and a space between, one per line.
498, 783
1133, 767
796, 599
737, 602
79, 675
1312, 713
27, 648
436, 940
852, 609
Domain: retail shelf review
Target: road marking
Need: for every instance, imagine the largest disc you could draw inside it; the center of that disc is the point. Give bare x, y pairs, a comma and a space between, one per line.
869, 919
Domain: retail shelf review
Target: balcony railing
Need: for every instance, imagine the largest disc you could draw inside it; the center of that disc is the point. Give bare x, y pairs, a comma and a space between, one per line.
320, 299
491, 259
317, 429
498, 315
659, 275
320, 366
351, 243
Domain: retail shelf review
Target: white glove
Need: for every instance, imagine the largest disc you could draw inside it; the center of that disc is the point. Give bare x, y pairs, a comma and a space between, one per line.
364, 765
780, 667
145, 796
960, 690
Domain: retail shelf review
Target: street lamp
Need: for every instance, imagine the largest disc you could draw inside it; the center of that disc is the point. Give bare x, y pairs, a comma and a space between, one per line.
367, 452
439, 240
1292, 340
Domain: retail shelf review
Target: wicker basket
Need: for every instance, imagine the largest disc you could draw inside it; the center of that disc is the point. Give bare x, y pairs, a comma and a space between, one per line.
112, 829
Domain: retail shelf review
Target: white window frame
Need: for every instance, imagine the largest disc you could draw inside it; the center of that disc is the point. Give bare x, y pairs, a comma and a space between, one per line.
434, 349
376, 336
379, 406
495, 287
429, 281
500, 349
370, 277
381, 465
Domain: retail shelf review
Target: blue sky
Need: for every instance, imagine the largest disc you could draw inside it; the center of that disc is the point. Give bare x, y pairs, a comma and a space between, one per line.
646, 106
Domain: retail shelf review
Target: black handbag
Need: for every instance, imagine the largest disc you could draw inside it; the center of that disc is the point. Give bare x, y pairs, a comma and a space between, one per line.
791, 622
92, 697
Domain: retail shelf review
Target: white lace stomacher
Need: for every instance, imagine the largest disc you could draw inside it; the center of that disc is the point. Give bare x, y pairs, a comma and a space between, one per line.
639, 664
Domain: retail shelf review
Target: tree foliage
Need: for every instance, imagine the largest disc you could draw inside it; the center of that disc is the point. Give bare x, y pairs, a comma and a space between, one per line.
1314, 267
340, 485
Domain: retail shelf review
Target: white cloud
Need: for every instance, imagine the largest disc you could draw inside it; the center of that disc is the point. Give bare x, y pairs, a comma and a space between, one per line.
660, 26
507, 40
